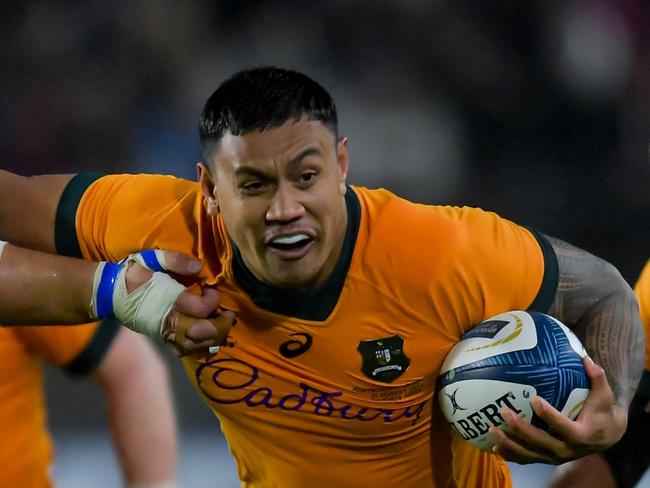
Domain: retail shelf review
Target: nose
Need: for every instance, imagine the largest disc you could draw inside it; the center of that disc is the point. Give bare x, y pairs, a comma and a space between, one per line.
285, 205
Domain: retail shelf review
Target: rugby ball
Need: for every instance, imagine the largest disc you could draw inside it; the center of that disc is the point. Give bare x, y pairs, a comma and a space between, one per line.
504, 362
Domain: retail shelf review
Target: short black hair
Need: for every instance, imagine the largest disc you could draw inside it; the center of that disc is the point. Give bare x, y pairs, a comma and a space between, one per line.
260, 99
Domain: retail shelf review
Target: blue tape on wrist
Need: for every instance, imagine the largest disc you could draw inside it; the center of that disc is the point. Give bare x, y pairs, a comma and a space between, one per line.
105, 291
151, 260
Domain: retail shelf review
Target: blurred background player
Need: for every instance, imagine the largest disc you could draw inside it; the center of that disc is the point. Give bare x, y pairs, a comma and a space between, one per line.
136, 390
623, 465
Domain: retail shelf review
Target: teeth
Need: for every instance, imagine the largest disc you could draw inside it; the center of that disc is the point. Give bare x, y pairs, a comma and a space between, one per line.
290, 239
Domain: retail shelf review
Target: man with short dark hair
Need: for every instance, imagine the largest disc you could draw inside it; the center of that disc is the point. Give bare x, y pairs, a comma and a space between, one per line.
347, 299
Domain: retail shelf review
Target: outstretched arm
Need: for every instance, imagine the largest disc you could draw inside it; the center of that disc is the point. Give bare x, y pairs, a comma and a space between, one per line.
596, 302
40, 288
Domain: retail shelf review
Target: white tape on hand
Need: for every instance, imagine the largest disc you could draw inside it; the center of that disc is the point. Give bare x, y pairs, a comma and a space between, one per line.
154, 259
2, 247
144, 309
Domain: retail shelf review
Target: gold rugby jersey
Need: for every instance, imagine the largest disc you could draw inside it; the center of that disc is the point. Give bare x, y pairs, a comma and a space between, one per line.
333, 386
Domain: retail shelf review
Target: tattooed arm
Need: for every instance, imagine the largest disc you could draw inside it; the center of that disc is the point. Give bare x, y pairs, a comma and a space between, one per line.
595, 301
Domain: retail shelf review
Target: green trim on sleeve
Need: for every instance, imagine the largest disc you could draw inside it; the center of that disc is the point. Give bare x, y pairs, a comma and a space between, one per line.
89, 358
548, 288
65, 230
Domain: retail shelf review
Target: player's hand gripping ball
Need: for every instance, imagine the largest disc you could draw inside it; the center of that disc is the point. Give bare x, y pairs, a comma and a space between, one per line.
504, 362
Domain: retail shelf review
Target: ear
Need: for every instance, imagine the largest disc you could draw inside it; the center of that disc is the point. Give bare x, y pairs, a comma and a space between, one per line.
343, 163
206, 181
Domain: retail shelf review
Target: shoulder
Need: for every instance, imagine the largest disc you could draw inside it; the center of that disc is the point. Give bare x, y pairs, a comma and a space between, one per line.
118, 214
417, 242
138, 198
396, 223
144, 186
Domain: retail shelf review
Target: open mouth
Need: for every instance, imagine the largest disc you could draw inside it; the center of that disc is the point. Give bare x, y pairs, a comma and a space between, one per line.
293, 246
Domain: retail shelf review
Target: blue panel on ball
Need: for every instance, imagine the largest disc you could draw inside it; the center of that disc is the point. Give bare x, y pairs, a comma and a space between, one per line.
489, 329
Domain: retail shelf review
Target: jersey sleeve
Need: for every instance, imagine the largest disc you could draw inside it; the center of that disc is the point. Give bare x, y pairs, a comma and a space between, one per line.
642, 291
499, 266
79, 349
109, 217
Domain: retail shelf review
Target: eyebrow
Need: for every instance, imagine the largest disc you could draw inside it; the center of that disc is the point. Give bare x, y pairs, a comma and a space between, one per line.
249, 171
257, 173
310, 151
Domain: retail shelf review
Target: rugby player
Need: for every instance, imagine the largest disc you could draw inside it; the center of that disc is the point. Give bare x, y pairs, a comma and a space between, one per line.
347, 299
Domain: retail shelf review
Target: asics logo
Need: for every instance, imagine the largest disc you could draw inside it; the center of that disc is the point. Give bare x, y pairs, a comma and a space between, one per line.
295, 347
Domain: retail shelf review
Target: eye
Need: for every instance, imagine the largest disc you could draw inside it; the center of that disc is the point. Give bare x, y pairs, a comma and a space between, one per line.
254, 187
308, 177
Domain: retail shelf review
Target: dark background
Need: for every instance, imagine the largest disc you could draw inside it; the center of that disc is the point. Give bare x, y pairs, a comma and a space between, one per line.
539, 111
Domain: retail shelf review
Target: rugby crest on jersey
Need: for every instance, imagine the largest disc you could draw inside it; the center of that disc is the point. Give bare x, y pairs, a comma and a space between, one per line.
383, 359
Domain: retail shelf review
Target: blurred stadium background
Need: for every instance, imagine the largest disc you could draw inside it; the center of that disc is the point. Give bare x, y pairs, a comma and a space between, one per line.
537, 110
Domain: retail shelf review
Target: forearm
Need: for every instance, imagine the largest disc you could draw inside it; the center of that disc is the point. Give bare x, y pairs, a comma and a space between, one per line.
596, 302
611, 334
140, 410
38, 288
143, 432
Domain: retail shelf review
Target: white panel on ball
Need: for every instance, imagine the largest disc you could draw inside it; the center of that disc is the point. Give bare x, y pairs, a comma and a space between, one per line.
503, 333
472, 407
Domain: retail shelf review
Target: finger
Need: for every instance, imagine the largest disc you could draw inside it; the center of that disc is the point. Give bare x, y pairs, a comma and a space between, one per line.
514, 450
559, 425
179, 351
191, 346
597, 377
200, 330
173, 261
199, 353
600, 398
204, 353
543, 442
200, 306
212, 329
203, 332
